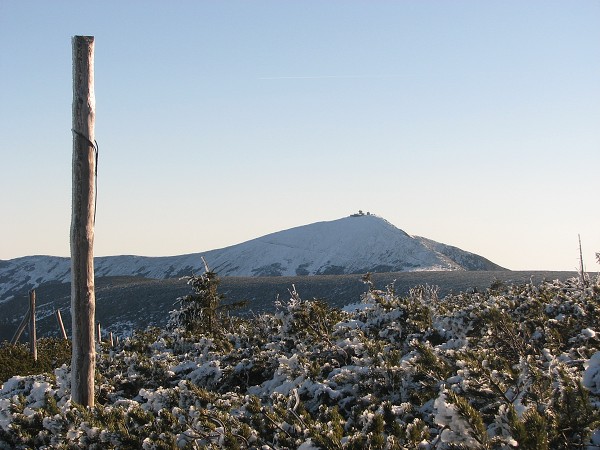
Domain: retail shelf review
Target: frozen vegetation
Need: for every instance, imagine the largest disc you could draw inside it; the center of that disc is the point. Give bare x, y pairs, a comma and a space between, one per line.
515, 367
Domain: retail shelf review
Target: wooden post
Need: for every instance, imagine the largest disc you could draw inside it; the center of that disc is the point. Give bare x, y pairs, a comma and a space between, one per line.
99, 333
61, 325
111, 341
32, 331
83, 299
581, 267
20, 329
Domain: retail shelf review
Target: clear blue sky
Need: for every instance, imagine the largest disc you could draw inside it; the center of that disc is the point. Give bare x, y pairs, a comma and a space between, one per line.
473, 123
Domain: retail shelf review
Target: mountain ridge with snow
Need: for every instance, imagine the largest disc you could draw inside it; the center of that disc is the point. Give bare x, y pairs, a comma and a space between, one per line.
354, 244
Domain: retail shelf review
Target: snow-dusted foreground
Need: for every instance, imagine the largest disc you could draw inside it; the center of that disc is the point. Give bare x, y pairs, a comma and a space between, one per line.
515, 367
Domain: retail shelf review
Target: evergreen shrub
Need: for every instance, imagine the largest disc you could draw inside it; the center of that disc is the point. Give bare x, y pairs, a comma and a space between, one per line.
16, 359
514, 367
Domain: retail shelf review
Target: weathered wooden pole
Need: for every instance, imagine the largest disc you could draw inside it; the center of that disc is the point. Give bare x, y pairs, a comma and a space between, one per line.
32, 331
20, 329
61, 325
83, 300
581, 266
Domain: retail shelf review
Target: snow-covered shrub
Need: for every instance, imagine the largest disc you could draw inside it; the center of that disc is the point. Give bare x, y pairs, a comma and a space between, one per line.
591, 376
515, 367
203, 311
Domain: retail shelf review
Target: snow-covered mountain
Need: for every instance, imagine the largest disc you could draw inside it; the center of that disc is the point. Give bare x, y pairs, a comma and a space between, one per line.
355, 244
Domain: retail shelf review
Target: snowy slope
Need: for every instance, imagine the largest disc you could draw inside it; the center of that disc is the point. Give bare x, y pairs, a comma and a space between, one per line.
469, 261
348, 245
31, 271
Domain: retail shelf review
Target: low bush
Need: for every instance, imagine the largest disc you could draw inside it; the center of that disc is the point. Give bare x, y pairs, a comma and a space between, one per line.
17, 359
512, 367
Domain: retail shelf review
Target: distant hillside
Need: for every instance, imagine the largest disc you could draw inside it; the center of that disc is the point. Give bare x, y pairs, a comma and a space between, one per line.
351, 245
124, 304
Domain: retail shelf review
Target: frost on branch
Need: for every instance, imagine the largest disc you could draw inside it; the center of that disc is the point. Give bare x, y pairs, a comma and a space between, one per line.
591, 375
460, 422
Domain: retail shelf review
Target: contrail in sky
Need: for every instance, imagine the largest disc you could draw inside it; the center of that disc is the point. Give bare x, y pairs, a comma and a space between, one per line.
322, 77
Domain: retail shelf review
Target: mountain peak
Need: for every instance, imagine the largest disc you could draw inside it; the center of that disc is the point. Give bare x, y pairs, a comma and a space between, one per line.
358, 243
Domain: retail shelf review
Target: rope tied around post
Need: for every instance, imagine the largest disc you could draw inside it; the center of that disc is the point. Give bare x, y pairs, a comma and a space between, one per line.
94, 145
